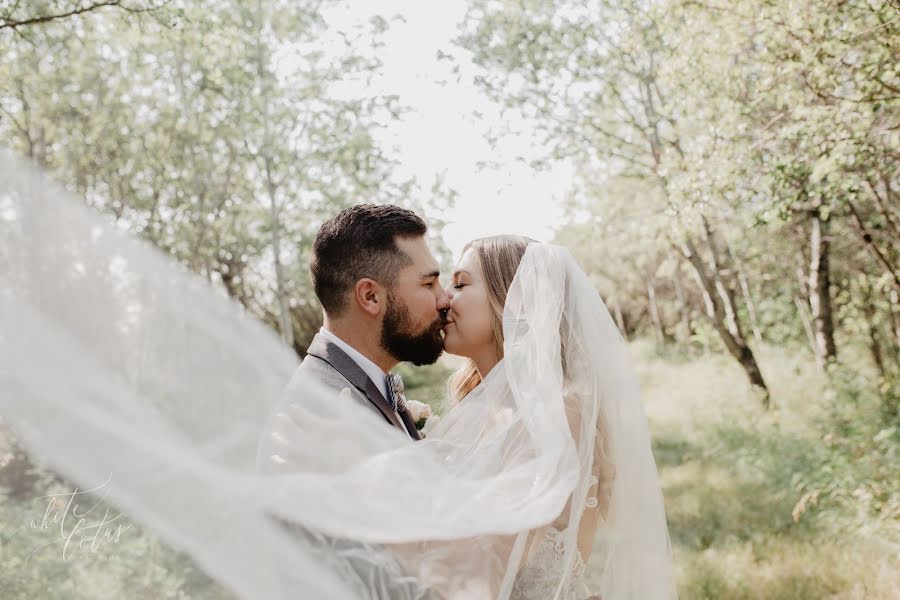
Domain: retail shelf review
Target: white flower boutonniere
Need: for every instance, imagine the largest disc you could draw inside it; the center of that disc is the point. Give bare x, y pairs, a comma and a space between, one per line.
419, 411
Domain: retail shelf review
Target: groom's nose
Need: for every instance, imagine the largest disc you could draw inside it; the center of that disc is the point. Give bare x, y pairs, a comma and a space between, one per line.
443, 299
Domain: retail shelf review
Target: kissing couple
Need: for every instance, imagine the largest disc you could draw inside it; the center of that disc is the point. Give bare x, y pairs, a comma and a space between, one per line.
537, 483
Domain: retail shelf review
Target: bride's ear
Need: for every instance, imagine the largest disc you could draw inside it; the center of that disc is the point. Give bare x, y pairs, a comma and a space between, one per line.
370, 296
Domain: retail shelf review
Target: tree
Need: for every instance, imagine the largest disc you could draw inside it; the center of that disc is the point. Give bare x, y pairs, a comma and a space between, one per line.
16, 16
217, 135
768, 134
592, 76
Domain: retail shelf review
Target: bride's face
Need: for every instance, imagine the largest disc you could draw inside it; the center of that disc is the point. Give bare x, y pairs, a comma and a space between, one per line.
468, 331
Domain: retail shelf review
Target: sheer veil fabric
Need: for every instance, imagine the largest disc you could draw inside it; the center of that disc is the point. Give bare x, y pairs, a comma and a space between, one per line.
115, 362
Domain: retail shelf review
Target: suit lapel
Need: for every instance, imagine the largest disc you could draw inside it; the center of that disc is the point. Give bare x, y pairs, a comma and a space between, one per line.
410, 425
332, 354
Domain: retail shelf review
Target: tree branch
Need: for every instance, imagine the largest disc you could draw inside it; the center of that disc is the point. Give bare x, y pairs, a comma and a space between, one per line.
9, 23
880, 203
870, 244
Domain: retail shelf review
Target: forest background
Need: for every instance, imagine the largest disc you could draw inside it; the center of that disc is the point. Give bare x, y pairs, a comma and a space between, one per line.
735, 196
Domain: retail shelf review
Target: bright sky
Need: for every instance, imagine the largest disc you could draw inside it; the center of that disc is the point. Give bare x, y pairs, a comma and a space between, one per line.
441, 134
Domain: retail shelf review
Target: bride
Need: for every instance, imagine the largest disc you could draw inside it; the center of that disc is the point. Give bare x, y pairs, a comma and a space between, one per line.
494, 294
474, 329
120, 366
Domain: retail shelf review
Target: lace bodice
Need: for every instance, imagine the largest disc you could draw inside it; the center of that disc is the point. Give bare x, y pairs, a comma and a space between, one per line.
539, 578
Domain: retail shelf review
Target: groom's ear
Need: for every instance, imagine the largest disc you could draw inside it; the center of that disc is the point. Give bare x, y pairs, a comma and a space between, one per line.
370, 296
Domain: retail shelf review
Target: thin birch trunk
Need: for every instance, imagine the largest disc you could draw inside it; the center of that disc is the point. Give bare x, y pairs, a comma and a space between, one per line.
820, 287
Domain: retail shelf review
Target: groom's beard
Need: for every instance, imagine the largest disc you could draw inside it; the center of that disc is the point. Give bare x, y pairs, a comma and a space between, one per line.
397, 337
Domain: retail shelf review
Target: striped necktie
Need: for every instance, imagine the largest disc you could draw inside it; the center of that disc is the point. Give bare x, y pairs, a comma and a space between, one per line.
395, 392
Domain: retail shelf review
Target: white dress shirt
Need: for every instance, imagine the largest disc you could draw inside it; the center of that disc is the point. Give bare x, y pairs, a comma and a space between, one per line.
371, 369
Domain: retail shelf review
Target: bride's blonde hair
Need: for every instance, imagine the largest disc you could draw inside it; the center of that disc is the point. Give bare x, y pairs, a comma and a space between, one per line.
499, 257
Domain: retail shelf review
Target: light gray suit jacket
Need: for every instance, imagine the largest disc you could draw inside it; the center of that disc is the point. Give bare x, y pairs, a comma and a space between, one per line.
371, 570
328, 364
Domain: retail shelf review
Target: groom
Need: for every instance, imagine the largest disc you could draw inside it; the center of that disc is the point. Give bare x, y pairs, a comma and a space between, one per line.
378, 285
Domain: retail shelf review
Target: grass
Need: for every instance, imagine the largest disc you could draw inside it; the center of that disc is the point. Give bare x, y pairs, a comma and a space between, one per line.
799, 503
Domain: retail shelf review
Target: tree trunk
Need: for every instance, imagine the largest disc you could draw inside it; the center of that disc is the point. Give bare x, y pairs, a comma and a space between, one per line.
707, 299
727, 326
20, 477
872, 326
285, 322
820, 287
745, 292
803, 312
707, 304
725, 291
654, 314
620, 320
895, 324
683, 309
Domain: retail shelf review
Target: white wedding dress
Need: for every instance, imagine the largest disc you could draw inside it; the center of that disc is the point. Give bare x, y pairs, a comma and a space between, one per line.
540, 577
116, 362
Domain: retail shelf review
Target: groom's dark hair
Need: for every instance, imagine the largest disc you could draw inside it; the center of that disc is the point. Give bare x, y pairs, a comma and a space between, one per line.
360, 242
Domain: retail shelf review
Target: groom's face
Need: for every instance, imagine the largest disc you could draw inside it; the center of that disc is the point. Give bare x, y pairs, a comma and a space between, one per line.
411, 330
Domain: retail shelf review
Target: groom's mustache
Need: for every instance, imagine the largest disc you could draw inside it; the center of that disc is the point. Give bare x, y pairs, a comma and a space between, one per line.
443, 315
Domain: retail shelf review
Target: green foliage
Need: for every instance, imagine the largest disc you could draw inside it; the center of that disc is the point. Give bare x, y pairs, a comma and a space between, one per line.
426, 384
801, 503
219, 133
216, 133
762, 118
37, 563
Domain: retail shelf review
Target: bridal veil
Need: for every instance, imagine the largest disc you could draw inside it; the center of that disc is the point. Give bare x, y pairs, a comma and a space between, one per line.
117, 363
